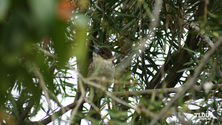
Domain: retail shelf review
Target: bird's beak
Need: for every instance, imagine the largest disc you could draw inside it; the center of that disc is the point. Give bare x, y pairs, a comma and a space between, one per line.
95, 49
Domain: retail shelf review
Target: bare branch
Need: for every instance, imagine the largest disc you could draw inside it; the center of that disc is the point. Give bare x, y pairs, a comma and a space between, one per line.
141, 44
60, 112
79, 102
164, 90
43, 86
190, 81
26, 111
47, 53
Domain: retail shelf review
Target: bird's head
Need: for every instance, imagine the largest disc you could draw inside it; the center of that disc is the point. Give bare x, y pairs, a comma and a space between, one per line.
103, 52
102, 63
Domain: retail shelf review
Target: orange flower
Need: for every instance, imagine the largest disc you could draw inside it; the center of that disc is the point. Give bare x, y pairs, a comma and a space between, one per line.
64, 9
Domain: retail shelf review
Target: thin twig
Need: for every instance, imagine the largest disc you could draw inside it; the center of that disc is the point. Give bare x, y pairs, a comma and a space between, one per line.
99, 79
93, 105
26, 111
79, 102
61, 111
164, 90
47, 53
43, 86
190, 81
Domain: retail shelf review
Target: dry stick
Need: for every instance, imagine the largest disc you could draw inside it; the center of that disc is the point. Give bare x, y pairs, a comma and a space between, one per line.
26, 111
47, 53
92, 104
164, 90
43, 86
61, 111
46, 91
81, 99
111, 81
190, 81
146, 92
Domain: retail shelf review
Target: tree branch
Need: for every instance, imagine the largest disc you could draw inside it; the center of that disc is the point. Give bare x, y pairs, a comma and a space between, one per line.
164, 90
190, 81
60, 112
79, 102
26, 111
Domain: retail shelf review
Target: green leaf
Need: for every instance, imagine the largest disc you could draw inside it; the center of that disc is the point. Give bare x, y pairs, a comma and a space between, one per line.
129, 24
44, 11
189, 50
4, 5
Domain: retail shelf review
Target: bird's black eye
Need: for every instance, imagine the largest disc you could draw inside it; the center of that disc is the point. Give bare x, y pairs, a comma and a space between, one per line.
101, 52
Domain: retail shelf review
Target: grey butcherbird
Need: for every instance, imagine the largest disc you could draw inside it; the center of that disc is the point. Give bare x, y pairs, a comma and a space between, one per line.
102, 69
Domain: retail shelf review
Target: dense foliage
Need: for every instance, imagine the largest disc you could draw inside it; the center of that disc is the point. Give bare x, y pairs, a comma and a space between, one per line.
45, 53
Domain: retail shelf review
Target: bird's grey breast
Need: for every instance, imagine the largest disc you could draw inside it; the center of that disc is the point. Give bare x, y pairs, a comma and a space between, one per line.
101, 68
